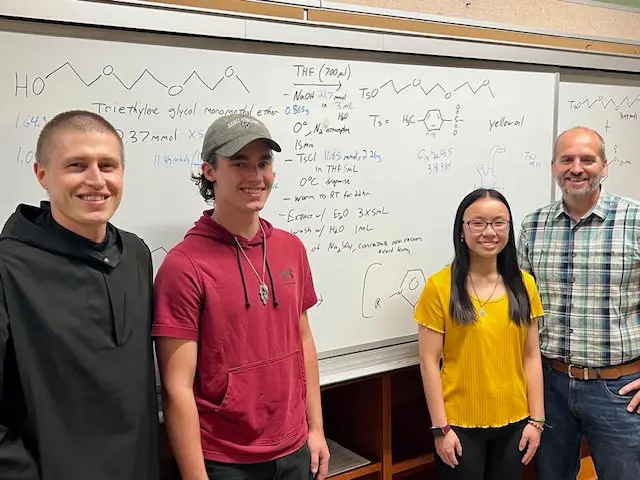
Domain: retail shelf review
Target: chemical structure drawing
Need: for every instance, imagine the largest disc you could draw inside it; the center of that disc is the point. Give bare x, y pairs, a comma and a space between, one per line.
374, 284
616, 160
487, 174
600, 101
416, 83
157, 257
411, 286
433, 120
38, 84
376, 304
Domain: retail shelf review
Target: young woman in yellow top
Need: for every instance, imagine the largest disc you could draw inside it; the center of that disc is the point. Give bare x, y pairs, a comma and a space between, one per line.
479, 316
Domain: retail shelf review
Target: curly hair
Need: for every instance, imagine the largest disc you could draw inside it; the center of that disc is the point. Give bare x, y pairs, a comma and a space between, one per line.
204, 184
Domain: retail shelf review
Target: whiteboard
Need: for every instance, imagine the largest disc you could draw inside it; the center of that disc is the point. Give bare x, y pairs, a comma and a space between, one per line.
614, 112
376, 157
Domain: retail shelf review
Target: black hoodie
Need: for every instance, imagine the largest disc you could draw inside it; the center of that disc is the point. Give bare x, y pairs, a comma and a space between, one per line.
77, 386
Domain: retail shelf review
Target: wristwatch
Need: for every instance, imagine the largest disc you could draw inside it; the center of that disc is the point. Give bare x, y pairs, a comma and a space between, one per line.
440, 431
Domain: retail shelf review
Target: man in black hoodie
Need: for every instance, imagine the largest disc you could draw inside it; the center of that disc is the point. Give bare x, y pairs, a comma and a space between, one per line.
77, 383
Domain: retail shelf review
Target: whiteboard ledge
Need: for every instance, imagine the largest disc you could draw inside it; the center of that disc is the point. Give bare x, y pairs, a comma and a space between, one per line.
246, 27
363, 364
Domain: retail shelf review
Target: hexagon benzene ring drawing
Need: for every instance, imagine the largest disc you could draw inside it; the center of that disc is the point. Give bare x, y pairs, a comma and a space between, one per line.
413, 280
433, 120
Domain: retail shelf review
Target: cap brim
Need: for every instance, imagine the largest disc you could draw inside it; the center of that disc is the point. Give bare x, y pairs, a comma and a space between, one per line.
231, 148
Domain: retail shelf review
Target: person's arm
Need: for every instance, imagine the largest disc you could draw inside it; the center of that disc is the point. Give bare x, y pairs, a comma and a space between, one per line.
430, 314
16, 463
317, 442
430, 345
177, 300
532, 363
177, 363
523, 250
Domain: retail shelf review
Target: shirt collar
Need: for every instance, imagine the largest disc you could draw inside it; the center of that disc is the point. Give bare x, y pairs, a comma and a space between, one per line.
600, 209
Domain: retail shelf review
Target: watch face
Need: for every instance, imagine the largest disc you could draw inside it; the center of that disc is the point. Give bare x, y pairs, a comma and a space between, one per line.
437, 432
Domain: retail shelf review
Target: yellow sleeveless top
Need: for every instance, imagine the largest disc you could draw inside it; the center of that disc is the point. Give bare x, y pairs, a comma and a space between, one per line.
483, 379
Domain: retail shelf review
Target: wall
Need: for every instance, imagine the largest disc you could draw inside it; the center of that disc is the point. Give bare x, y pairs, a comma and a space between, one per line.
419, 16
550, 15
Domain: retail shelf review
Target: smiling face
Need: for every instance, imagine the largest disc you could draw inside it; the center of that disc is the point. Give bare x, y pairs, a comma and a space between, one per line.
242, 182
486, 241
83, 175
578, 165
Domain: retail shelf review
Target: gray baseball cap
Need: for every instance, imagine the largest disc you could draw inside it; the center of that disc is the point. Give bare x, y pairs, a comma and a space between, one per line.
229, 134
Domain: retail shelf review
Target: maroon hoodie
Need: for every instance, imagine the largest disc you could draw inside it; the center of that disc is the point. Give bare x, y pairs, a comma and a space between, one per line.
250, 384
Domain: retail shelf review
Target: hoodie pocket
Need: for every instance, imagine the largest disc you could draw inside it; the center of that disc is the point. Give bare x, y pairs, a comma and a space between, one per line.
264, 402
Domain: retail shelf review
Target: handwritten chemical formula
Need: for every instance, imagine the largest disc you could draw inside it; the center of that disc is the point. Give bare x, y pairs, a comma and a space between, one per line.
36, 85
375, 156
407, 290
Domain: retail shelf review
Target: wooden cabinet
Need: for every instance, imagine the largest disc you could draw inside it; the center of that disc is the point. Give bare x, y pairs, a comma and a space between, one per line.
378, 429
383, 418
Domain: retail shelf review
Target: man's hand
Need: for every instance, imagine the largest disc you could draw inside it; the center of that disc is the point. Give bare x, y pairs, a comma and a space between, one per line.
634, 404
319, 454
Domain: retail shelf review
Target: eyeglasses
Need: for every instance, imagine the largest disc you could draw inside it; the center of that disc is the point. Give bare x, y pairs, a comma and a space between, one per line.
479, 226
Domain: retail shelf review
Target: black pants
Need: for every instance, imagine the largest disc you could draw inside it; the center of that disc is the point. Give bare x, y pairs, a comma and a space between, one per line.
295, 466
487, 454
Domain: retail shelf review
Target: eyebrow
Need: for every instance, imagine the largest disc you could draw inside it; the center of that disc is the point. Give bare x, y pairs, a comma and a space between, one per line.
241, 157
586, 155
82, 158
480, 217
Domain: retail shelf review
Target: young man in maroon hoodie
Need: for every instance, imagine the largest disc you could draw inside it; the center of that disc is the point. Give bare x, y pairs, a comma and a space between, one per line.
237, 358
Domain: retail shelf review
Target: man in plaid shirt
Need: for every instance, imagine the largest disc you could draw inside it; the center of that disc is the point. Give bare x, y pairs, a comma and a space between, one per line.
584, 252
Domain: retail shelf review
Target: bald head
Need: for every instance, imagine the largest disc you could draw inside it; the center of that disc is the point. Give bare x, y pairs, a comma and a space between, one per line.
73, 120
570, 134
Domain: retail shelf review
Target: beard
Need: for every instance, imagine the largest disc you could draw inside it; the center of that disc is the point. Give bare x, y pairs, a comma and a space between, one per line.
592, 185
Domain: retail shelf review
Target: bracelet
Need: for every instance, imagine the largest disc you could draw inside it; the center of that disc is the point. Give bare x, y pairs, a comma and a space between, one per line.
539, 426
536, 419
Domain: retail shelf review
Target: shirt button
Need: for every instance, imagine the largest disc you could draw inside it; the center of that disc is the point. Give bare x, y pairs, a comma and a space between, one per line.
574, 254
106, 260
573, 279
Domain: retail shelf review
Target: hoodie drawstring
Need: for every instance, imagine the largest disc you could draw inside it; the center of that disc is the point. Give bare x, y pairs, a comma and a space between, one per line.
273, 287
244, 284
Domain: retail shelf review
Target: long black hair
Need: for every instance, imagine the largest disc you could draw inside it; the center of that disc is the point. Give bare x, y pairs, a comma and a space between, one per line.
460, 307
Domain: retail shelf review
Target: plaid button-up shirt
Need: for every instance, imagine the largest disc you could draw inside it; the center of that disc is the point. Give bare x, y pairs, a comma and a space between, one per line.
588, 276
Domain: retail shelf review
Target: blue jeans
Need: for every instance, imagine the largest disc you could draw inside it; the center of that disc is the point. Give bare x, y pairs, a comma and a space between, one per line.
594, 410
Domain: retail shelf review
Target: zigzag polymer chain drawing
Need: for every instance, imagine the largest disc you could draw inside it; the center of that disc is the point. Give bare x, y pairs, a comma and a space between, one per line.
37, 85
615, 112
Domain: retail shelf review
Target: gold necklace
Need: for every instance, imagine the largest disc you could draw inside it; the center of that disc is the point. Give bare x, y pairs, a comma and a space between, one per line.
482, 312
263, 290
